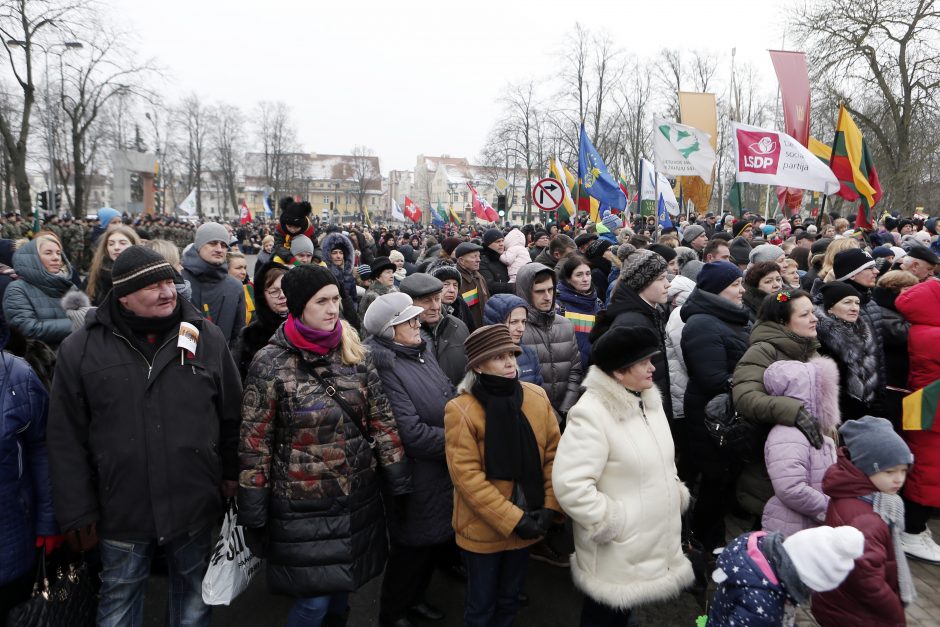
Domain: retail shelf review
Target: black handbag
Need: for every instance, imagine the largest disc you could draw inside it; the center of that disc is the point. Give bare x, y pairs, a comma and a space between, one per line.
730, 431
70, 601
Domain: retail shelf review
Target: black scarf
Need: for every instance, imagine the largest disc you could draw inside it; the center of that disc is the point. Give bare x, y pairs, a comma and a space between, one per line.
512, 454
147, 334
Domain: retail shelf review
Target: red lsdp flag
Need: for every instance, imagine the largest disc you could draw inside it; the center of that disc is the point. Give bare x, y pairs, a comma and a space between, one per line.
245, 213
412, 210
794, 91
481, 208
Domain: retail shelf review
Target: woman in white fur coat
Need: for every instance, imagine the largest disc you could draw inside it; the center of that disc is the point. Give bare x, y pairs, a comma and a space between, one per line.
615, 476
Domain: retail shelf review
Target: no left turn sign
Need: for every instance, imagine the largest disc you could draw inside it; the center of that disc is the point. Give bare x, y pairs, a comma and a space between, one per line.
548, 194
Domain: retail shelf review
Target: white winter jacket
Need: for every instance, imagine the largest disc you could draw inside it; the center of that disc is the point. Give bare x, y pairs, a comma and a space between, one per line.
615, 476
679, 290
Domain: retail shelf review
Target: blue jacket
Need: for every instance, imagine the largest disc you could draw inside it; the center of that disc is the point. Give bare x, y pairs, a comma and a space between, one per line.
31, 303
497, 311
530, 370
25, 490
582, 310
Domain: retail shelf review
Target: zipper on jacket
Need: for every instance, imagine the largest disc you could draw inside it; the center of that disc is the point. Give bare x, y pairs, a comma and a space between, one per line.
135, 349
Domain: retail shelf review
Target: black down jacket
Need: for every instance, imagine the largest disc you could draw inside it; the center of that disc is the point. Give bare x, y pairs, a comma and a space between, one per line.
309, 476
418, 390
495, 272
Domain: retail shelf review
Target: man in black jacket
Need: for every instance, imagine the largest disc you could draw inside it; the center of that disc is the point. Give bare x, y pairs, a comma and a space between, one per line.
443, 332
143, 438
493, 270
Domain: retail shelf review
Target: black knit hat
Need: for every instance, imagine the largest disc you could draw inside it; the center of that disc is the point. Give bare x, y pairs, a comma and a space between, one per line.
136, 268
740, 250
301, 283
445, 272
492, 235
622, 347
666, 252
835, 291
295, 213
847, 263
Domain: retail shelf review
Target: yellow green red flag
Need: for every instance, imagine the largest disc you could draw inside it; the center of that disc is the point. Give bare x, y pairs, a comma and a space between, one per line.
920, 409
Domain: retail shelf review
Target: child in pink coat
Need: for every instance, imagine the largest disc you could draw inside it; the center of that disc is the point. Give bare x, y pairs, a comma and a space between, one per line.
516, 254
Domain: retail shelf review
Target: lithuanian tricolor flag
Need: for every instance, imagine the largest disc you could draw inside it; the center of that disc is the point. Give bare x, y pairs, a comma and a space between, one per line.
583, 323
854, 167
561, 174
920, 409
471, 298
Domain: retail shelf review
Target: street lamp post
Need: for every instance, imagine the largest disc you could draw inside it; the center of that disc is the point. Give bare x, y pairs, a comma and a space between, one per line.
50, 142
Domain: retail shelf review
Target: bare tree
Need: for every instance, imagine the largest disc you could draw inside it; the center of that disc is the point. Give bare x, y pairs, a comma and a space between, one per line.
277, 138
365, 173
882, 59
227, 146
195, 121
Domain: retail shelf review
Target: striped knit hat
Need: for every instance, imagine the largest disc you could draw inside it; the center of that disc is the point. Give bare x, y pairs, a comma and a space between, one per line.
641, 268
136, 268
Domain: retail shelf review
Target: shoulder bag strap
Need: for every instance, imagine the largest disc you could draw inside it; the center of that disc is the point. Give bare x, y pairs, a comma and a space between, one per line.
338, 398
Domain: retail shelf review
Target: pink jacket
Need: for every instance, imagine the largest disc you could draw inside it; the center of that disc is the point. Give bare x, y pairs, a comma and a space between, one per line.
516, 254
796, 469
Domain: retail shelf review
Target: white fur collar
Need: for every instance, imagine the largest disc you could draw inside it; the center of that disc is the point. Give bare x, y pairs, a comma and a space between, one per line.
616, 397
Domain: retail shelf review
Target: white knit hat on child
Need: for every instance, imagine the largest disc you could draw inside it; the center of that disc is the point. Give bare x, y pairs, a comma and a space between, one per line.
824, 556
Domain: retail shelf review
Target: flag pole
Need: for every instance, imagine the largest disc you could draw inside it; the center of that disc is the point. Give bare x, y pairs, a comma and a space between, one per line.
832, 154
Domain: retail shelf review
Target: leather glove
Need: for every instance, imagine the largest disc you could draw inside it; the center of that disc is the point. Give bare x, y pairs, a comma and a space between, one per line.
257, 539
528, 528
544, 517
809, 427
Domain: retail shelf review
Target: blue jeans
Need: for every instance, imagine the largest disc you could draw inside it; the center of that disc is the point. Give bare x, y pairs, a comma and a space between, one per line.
494, 583
311, 612
125, 567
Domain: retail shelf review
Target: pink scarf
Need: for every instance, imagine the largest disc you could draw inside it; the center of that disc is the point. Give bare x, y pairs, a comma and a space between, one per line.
312, 340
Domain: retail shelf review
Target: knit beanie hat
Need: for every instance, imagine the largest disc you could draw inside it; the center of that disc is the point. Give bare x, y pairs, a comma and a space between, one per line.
395, 256
492, 235
294, 214
449, 244
641, 268
740, 250
301, 283
824, 556
445, 272
136, 268
765, 252
714, 277
873, 445
364, 271
666, 252
612, 222
488, 341
850, 262
691, 269
300, 244
691, 232
879, 252
684, 254
210, 232
835, 291
106, 214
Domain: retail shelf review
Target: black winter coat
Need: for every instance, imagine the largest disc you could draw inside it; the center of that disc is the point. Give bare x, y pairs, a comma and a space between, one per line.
446, 340
495, 272
627, 309
418, 390
141, 447
255, 336
715, 337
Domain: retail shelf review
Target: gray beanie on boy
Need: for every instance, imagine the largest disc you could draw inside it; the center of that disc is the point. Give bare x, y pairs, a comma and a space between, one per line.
873, 445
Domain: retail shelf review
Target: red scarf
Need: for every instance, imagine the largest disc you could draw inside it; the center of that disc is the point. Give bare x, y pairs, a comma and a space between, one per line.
312, 340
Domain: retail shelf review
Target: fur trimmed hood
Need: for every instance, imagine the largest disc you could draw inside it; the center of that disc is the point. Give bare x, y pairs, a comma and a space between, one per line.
338, 240
815, 383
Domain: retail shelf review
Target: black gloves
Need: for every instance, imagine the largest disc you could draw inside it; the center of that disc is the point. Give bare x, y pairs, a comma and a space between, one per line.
544, 518
528, 528
809, 427
257, 539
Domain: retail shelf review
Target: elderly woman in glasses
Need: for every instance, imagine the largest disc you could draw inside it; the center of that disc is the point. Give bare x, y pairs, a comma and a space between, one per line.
418, 390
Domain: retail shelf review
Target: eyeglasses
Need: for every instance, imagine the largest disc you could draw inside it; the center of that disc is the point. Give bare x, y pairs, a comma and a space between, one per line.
414, 323
274, 292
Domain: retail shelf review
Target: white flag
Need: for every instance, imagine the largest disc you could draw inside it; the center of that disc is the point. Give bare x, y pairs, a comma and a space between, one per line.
683, 150
668, 196
397, 213
189, 203
648, 180
773, 158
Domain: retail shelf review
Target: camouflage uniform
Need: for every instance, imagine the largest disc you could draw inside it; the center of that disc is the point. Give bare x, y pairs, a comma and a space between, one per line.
73, 240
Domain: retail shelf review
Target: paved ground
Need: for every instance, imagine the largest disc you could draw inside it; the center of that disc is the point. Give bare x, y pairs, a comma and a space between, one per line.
554, 602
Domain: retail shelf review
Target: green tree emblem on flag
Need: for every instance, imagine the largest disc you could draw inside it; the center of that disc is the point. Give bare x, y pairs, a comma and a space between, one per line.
681, 141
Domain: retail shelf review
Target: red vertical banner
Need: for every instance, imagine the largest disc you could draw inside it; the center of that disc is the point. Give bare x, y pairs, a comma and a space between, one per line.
794, 91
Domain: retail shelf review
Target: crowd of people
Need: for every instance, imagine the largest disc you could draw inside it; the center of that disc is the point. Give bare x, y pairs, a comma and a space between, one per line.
408, 400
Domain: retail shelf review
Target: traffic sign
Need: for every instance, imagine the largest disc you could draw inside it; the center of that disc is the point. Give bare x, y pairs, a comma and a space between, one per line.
501, 185
548, 194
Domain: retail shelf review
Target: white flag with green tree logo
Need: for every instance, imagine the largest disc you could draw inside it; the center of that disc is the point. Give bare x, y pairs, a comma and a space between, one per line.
682, 150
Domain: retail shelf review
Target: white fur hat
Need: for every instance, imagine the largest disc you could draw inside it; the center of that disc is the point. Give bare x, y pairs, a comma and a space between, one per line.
824, 556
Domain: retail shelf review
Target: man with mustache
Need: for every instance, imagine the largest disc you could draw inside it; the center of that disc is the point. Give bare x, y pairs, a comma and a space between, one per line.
143, 439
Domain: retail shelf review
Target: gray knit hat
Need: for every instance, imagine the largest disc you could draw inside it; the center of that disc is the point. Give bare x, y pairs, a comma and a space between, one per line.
873, 445
210, 232
641, 268
301, 244
691, 232
765, 252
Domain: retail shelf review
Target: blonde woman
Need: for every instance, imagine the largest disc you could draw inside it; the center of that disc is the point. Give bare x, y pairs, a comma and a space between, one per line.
238, 268
110, 245
316, 426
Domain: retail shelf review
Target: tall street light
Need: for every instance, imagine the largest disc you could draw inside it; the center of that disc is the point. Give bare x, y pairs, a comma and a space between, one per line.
50, 142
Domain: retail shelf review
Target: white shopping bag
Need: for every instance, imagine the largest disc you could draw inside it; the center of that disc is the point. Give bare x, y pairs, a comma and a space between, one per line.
231, 566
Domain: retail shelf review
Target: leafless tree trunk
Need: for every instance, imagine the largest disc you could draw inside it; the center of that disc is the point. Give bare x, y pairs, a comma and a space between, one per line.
227, 144
196, 122
366, 174
277, 138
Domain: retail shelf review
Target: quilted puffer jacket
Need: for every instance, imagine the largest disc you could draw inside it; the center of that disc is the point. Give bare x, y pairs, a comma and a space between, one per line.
796, 469
25, 491
344, 274
418, 390
309, 476
679, 290
31, 304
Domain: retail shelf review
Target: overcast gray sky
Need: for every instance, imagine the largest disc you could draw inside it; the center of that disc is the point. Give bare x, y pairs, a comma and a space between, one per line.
412, 77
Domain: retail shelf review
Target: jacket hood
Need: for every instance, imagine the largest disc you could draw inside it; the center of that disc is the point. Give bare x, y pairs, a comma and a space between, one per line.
844, 480
499, 306
784, 340
679, 289
515, 237
815, 383
525, 279
919, 305
29, 268
338, 240
701, 302
263, 313
202, 269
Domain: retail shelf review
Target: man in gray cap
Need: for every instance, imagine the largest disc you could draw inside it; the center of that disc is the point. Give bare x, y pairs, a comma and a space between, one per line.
442, 331
695, 238
473, 289
218, 296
